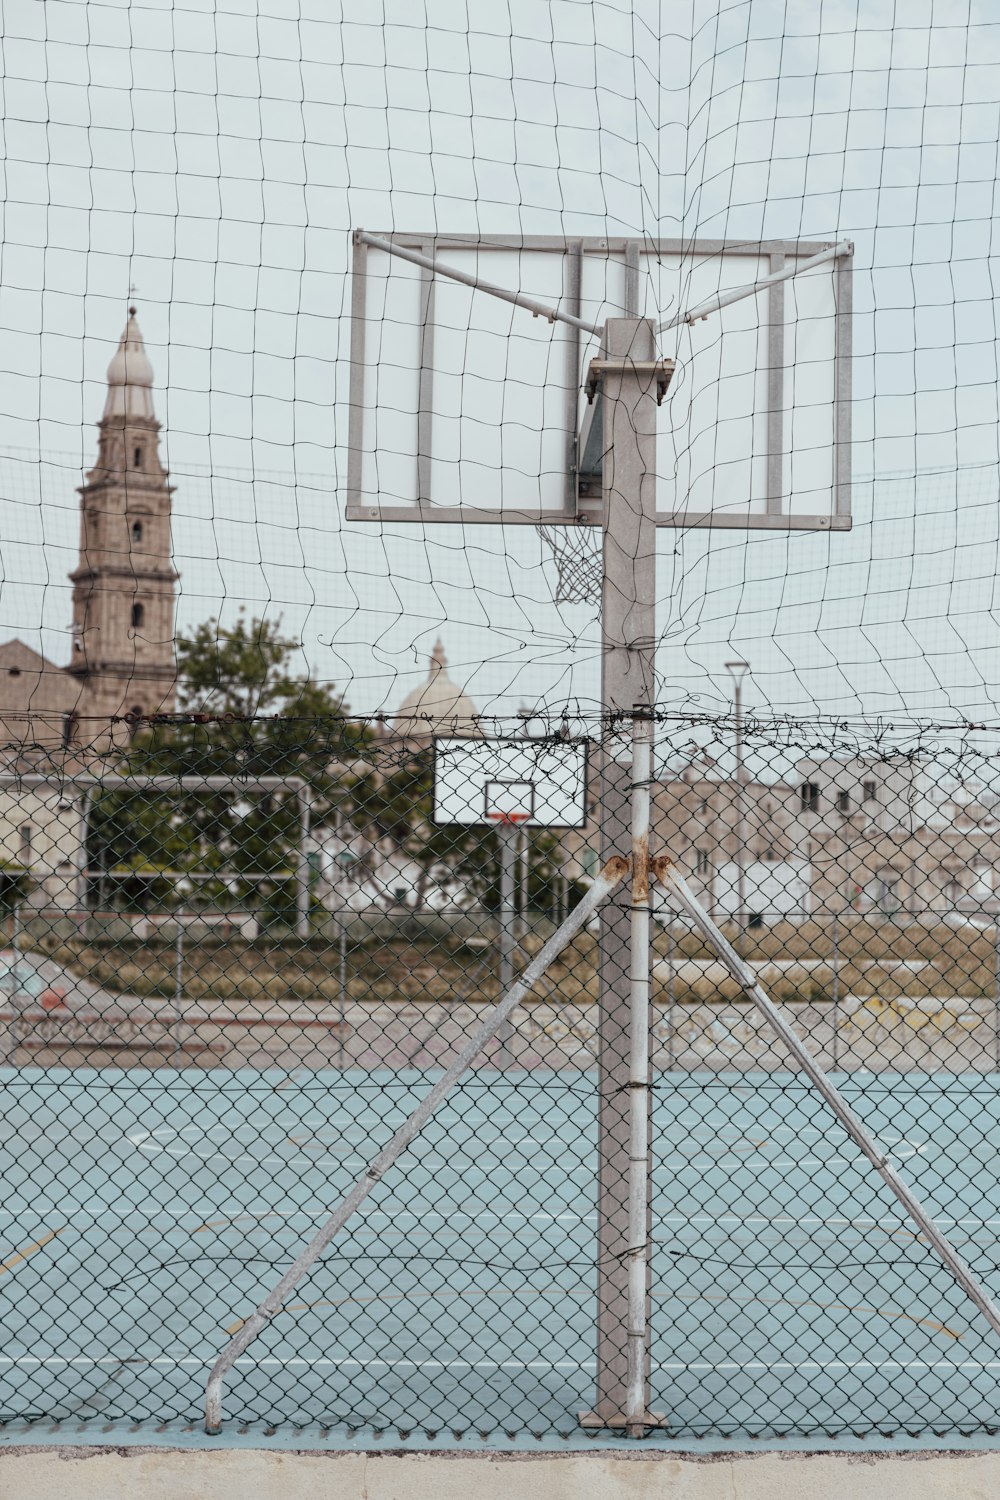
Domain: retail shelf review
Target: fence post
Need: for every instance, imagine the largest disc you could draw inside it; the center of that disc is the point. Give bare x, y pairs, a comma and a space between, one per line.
302, 866
178, 983
508, 841
15, 991
637, 1414
82, 861
342, 990
670, 991
996, 995
836, 988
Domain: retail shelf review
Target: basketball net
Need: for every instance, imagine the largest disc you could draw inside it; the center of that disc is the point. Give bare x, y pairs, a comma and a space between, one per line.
577, 553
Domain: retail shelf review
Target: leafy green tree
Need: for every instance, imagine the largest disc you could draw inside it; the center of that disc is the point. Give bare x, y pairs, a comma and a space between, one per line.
244, 711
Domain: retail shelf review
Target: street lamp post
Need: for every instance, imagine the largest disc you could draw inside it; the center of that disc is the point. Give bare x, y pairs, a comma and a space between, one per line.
738, 671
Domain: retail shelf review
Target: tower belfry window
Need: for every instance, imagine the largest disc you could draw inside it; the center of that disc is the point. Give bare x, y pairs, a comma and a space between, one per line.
137, 531
138, 616
137, 458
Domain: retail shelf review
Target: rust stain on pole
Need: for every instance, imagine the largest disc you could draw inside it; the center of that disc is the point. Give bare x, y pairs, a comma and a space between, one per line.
640, 869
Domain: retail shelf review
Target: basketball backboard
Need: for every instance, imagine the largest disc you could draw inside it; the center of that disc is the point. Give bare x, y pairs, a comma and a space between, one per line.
464, 408
534, 783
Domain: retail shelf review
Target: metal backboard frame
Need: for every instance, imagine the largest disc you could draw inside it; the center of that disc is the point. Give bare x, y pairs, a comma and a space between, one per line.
581, 489
464, 769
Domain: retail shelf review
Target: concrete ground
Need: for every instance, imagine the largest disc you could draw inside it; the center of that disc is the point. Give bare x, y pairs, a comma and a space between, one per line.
234, 1474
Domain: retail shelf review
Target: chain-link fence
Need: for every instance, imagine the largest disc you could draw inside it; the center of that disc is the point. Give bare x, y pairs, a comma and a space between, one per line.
239, 955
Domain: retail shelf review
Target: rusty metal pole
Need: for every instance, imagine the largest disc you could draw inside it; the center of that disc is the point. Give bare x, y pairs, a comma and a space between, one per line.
627, 641
637, 1415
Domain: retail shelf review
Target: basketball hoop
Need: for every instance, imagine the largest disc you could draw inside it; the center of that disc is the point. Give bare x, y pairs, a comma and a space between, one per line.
578, 555
510, 781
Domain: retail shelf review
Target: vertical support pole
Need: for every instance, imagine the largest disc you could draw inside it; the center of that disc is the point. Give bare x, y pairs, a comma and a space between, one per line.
836, 989
508, 838
81, 863
425, 388
996, 996
302, 867
178, 983
639, 1086
15, 989
342, 987
524, 882
627, 648
671, 1058
572, 288
741, 830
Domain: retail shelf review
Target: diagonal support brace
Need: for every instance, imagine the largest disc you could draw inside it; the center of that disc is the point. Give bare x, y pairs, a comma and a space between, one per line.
604, 884
669, 876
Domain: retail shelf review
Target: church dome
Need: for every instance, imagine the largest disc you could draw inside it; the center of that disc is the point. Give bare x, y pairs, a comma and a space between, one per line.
130, 376
438, 705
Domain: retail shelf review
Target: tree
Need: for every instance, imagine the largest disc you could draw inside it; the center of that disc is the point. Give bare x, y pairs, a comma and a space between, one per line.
244, 712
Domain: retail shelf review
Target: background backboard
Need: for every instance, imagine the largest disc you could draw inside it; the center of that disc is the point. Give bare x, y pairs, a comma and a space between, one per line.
460, 401
475, 781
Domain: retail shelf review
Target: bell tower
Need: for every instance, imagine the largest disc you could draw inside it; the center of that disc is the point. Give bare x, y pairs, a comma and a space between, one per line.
125, 585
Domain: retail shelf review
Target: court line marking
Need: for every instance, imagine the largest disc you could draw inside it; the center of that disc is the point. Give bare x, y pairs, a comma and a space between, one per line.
440, 1296
753, 1300
28, 1250
90, 1217
184, 1142
327, 1362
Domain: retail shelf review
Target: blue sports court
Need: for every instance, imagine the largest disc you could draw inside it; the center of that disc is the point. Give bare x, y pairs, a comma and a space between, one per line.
146, 1213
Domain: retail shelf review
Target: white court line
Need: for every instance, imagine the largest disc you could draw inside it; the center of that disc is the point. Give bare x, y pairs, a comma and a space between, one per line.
675, 1218
132, 1363
698, 1159
247, 1216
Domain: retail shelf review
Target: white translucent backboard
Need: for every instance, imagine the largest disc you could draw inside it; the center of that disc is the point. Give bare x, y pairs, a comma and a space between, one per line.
537, 783
461, 401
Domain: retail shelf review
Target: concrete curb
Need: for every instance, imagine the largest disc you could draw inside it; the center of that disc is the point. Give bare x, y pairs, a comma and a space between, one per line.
233, 1474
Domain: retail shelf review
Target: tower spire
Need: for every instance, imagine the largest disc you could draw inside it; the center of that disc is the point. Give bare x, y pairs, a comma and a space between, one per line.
130, 377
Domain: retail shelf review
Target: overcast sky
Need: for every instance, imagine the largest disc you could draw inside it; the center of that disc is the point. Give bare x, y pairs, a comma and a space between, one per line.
217, 157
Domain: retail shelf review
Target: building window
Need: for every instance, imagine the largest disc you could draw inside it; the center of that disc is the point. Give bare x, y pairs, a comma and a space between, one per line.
701, 861
870, 788
27, 834
137, 531
138, 616
843, 802
13, 671
137, 458
809, 796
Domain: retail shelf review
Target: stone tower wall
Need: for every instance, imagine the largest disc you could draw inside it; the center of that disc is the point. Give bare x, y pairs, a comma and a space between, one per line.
124, 588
